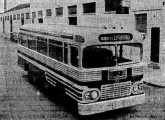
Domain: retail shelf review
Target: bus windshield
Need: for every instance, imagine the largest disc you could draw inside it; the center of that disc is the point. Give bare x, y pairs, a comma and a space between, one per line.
111, 55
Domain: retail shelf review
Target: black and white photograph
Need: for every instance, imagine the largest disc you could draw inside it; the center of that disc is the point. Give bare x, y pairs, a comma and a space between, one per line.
82, 59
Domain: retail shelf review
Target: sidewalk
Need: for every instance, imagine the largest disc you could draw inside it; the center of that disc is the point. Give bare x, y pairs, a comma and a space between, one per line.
154, 75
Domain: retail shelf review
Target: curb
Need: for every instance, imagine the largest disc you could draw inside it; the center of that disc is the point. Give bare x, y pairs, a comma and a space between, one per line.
152, 84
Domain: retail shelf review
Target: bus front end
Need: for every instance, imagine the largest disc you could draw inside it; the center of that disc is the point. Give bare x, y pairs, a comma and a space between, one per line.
116, 72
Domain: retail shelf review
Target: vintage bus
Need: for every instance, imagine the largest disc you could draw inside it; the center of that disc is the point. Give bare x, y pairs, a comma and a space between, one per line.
99, 68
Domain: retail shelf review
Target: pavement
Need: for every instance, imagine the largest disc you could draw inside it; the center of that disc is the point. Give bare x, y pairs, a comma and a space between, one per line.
154, 74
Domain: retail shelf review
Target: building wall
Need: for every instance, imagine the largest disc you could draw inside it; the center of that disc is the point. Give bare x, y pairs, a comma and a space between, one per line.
16, 24
137, 5
1, 23
98, 19
155, 18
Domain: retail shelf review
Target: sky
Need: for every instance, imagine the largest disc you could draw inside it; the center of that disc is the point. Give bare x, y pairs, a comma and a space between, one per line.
11, 3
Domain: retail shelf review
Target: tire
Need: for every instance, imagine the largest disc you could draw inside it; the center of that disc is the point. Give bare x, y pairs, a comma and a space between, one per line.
32, 78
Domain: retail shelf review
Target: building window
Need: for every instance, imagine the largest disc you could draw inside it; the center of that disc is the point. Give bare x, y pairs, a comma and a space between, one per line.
72, 10
40, 20
56, 49
7, 17
33, 14
111, 5
72, 20
11, 17
18, 16
89, 7
14, 17
74, 56
40, 14
116, 6
48, 12
42, 45
27, 15
22, 15
59, 11
141, 22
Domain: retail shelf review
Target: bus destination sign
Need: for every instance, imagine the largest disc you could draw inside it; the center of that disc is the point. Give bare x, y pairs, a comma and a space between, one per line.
115, 37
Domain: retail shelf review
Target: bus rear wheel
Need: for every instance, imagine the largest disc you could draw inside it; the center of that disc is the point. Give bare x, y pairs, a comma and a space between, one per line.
32, 78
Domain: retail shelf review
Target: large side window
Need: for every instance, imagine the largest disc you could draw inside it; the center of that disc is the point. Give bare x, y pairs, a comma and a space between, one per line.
48, 12
56, 50
65, 53
7, 17
40, 16
23, 40
42, 45
74, 56
32, 42
116, 6
28, 15
14, 17
18, 16
72, 9
72, 20
89, 7
22, 15
59, 11
141, 22
33, 16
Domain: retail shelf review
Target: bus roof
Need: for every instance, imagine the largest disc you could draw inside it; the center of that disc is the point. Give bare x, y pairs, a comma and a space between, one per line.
83, 34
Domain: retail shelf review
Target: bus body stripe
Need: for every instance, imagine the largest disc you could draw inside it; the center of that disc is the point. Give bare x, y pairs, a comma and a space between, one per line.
52, 78
58, 79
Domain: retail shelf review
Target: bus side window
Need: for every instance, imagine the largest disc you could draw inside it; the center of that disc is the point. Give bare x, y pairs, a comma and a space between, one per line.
42, 45
31, 42
74, 56
56, 49
23, 40
19, 38
65, 53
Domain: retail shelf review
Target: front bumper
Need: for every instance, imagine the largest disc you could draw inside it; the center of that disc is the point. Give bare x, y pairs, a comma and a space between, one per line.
102, 106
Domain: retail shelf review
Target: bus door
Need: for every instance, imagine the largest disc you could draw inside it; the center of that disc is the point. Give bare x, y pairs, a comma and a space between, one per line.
11, 24
155, 44
3, 24
22, 19
74, 55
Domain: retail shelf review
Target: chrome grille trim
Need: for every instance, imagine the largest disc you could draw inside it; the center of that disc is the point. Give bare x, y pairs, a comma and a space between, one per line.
90, 76
137, 71
116, 90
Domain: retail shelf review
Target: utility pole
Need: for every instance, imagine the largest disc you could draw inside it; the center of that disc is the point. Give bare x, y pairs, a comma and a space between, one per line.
5, 5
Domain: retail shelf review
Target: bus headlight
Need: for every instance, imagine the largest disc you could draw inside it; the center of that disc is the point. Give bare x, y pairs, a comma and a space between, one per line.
91, 95
137, 88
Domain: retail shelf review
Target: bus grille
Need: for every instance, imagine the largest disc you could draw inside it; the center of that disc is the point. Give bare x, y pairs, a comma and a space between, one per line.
90, 76
115, 90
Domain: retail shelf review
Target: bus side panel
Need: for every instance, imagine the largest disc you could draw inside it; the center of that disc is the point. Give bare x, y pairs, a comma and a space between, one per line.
22, 63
